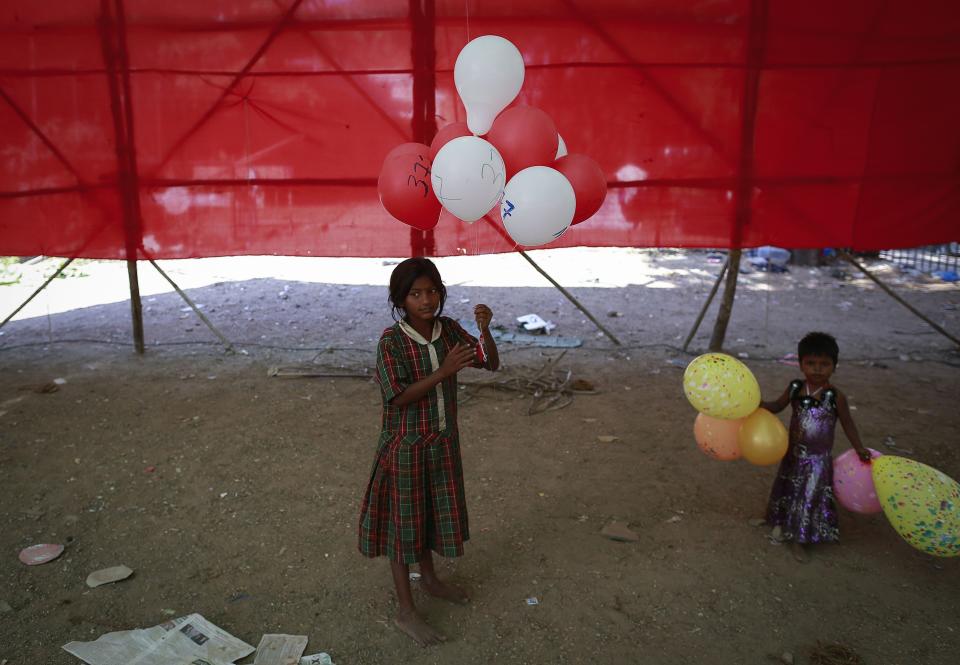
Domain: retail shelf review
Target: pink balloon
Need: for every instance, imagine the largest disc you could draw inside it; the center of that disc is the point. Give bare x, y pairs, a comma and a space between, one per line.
853, 483
524, 136
589, 183
446, 134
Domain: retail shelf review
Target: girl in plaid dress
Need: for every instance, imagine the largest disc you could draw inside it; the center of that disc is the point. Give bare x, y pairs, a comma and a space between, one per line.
414, 503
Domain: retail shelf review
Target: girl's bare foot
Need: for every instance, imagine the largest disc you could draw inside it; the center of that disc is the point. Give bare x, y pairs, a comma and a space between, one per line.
413, 625
800, 552
449, 592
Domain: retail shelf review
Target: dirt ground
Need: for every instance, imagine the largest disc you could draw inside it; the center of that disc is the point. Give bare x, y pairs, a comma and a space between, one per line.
235, 494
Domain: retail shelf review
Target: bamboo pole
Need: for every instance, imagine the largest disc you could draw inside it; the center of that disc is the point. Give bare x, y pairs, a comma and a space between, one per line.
842, 254
37, 292
726, 305
706, 305
570, 297
196, 309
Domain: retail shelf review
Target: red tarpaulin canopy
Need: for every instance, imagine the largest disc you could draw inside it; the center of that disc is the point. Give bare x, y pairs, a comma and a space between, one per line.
188, 128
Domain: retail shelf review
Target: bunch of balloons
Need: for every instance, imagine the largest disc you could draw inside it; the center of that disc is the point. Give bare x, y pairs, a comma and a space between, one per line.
730, 424
521, 164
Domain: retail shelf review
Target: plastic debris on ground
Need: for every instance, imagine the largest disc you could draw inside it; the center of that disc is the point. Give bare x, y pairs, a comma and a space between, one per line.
39, 554
533, 600
620, 532
187, 639
321, 658
524, 339
533, 323
108, 576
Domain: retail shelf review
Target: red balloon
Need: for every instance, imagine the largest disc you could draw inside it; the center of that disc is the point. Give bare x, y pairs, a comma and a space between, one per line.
405, 190
524, 136
446, 134
409, 149
589, 184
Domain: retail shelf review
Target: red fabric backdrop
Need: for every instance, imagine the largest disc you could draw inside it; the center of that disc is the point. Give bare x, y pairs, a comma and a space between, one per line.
192, 128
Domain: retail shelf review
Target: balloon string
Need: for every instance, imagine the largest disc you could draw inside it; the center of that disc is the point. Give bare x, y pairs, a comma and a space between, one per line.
466, 4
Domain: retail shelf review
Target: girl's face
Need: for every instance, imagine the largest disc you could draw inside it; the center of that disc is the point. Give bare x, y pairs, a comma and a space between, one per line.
423, 300
817, 369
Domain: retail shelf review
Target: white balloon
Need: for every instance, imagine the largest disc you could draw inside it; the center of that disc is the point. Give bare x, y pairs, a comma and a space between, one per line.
488, 75
538, 206
468, 177
561, 148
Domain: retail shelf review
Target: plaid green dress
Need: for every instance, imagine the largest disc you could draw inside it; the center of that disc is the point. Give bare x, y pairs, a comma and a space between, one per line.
415, 500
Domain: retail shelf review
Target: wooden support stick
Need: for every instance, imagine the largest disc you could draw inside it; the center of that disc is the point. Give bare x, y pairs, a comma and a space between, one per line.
726, 306
570, 297
37, 292
706, 305
196, 309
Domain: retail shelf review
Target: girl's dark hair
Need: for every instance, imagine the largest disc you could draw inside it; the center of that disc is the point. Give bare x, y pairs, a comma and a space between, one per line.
818, 344
403, 277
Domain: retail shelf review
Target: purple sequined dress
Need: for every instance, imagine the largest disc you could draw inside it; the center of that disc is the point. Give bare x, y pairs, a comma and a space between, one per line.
801, 501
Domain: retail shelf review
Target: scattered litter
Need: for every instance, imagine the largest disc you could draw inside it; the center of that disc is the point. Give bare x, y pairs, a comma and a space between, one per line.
107, 576
237, 597
60, 381
743, 354
415, 577
5, 607
280, 649
533, 600
169, 613
673, 520
790, 360
532, 322
676, 362
223, 495
464, 301
187, 639
38, 554
614, 315
946, 275
620, 532
150, 469
715, 258
321, 658
607, 438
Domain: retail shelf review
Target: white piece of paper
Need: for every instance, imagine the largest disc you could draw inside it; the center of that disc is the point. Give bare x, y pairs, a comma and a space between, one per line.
322, 658
187, 640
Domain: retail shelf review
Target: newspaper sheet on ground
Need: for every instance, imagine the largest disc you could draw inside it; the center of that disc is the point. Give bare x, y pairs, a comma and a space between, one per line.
188, 640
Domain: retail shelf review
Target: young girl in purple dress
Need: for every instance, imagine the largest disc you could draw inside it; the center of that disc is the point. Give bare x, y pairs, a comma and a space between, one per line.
802, 505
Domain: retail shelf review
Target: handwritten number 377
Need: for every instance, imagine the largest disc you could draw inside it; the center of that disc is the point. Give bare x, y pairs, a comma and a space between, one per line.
414, 181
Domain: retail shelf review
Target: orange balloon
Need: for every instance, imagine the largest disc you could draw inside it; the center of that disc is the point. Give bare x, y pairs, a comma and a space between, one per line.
717, 437
763, 438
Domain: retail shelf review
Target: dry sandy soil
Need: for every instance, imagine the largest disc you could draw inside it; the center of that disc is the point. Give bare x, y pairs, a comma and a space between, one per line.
235, 494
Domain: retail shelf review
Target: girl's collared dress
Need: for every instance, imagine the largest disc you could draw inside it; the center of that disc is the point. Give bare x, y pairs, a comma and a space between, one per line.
415, 500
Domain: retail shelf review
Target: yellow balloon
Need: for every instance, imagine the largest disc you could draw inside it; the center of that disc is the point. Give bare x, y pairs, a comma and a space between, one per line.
921, 503
721, 386
762, 438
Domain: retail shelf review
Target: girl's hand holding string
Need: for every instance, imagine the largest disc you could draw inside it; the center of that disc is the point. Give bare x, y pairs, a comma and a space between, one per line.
459, 357
864, 455
483, 315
